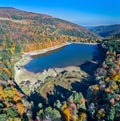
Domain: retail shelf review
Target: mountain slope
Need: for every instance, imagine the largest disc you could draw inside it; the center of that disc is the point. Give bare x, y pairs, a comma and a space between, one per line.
106, 31
30, 27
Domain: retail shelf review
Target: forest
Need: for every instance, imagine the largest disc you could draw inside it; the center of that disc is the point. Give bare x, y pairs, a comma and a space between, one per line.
101, 102
97, 98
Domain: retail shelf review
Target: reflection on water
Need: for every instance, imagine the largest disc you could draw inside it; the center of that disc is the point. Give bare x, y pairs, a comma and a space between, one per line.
70, 55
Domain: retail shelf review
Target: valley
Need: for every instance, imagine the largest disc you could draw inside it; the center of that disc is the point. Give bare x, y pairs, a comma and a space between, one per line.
52, 70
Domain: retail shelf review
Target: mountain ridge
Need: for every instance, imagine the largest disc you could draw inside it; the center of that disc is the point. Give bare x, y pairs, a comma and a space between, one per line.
6, 10
106, 30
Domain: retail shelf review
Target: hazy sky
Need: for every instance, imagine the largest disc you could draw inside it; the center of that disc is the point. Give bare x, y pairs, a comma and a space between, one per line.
83, 12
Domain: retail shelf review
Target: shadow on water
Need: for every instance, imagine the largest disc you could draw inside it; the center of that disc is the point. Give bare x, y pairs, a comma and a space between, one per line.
90, 68
73, 54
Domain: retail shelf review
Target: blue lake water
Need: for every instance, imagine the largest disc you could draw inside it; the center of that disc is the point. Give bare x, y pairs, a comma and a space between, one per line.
70, 55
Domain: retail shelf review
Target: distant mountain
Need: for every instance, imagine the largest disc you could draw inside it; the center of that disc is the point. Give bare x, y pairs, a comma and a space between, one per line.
106, 31
27, 26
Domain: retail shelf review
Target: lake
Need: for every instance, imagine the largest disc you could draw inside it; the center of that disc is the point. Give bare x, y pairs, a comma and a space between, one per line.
70, 55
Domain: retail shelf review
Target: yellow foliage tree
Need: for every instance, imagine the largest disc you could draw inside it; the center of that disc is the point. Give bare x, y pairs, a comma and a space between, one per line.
20, 107
82, 116
16, 98
7, 71
67, 114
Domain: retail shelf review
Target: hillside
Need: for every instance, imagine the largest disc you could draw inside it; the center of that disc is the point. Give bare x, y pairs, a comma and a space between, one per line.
81, 95
106, 31
22, 31
38, 30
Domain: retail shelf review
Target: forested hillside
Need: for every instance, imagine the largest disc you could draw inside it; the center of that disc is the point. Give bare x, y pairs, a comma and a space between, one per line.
67, 104
106, 31
96, 100
35, 31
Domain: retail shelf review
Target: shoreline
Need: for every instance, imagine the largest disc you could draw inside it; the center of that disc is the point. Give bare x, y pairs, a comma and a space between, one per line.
27, 57
45, 50
85, 43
